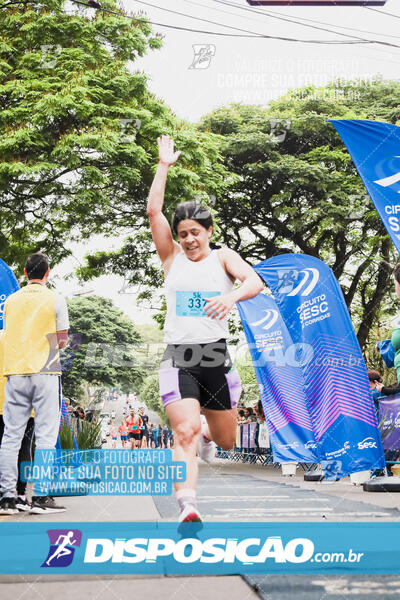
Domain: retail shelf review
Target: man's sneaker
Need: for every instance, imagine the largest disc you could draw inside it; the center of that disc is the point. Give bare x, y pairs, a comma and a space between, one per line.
190, 514
207, 449
45, 505
8, 506
22, 505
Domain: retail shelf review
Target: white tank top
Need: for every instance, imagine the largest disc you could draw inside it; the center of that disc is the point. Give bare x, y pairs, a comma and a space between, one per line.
187, 284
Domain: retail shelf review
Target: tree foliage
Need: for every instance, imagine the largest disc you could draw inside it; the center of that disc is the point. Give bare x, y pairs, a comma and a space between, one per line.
150, 396
297, 190
78, 128
102, 350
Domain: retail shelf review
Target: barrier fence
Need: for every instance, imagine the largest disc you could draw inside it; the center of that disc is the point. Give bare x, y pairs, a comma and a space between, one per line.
253, 445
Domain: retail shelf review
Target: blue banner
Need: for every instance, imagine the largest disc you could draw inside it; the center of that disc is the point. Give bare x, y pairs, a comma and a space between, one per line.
277, 363
8, 285
199, 549
374, 148
336, 384
389, 414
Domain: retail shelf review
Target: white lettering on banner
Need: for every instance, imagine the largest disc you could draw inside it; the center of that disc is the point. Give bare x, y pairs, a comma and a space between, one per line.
310, 444
339, 452
394, 224
191, 550
392, 209
367, 443
314, 310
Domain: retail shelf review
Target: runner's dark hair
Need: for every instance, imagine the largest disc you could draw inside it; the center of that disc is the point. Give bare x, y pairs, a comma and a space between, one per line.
37, 265
192, 210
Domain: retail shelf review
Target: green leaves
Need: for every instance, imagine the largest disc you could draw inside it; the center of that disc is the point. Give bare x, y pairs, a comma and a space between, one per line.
104, 341
297, 190
66, 96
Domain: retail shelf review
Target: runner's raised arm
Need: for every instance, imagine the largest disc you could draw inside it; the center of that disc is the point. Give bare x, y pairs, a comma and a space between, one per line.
160, 229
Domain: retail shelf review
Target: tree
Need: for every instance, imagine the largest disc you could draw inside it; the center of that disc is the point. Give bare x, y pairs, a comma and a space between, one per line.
150, 396
296, 188
78, 128
102, 350
250, 394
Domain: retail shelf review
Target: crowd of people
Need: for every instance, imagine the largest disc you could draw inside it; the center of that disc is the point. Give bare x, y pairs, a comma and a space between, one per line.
251, 414
135, 431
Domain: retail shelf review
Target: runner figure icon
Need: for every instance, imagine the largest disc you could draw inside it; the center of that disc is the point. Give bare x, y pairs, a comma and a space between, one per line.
62, 549
63, 544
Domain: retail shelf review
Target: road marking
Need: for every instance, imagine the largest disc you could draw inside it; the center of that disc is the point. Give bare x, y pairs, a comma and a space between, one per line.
271, 510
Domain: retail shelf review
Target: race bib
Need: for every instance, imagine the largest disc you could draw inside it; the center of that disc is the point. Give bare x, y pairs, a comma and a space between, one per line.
191, 304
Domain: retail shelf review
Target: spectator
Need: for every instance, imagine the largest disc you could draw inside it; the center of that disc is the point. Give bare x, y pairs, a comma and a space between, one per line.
249, 416
241, 416
151, 441
156, 436
80, 413
165, 436
260, 411
25, 452
35, 328
374, 381
390, 391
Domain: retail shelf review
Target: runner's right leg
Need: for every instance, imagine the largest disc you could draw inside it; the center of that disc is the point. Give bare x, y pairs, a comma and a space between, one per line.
184, 416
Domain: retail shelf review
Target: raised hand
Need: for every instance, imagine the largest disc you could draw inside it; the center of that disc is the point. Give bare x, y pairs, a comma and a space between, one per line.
166, 154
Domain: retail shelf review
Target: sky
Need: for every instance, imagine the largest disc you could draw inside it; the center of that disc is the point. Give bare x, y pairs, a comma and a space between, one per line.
195, 73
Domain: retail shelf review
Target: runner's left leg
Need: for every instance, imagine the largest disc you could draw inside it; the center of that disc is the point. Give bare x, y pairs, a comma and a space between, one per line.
222, 426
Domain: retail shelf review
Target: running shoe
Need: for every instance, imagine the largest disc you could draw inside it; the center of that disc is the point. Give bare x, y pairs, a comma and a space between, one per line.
23, 505
207, 449
8, 506
45, 505
190, 514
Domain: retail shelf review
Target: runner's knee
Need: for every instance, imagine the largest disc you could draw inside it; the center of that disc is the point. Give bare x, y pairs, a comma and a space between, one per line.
226, 441
186, 434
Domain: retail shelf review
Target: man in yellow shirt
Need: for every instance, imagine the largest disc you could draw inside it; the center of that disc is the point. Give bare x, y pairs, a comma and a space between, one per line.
25, 452
35, 328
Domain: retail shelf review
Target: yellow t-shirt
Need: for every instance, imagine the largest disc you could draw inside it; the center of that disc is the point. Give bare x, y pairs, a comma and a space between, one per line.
30, 338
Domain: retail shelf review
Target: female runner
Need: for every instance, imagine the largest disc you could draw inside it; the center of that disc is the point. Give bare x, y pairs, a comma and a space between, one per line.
196, 373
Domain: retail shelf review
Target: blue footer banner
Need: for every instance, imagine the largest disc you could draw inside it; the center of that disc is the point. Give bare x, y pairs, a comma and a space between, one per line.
199, 549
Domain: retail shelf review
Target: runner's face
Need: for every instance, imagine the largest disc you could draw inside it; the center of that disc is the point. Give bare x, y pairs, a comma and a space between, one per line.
194, 239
